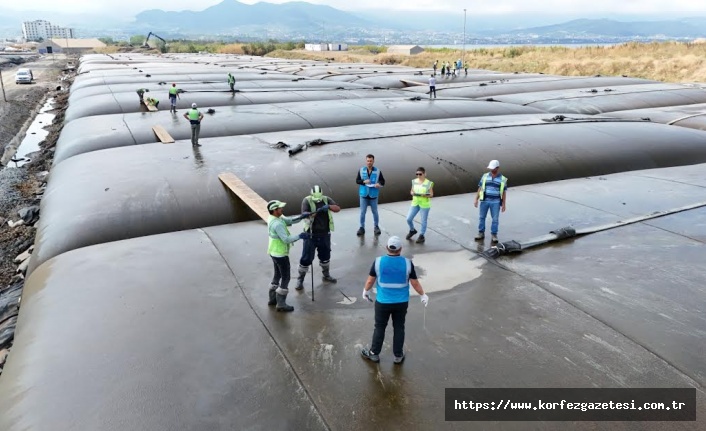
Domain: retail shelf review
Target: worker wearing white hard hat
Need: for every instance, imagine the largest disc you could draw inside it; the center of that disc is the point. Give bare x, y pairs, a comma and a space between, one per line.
492, 195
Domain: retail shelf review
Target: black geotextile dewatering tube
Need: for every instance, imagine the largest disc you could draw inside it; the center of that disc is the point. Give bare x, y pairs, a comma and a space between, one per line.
513, 246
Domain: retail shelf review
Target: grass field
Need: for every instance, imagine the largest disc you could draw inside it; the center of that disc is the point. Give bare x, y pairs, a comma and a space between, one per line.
662, 61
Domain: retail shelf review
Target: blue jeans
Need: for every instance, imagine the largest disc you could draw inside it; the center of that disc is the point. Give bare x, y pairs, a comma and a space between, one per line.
364, 204
494, 207
413, 210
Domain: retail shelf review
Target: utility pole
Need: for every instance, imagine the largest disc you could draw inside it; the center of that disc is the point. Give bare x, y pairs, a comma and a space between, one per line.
463, 56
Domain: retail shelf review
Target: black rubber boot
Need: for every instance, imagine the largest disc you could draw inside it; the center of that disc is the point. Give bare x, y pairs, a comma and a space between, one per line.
281, 304
326, 274
302, 275
273, 295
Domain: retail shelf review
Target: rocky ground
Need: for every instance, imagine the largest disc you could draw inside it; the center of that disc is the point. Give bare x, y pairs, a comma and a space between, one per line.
21, 188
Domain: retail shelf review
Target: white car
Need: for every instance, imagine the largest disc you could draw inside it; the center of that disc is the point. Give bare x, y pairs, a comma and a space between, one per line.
23, 76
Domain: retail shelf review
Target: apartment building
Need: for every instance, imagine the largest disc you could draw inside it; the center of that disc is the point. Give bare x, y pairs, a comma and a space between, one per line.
40, 29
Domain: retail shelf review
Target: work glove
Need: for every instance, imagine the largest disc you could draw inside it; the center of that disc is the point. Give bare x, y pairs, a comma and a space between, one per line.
322, 209
301, 216
366, 295
425, 299
304, 235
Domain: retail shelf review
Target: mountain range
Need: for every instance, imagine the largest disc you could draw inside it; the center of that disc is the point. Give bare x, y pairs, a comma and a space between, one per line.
306, 20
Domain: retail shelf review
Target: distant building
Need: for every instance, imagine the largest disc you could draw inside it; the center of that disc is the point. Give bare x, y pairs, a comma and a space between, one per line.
405, 49
69, 46
40, 29
337, 47
316, 46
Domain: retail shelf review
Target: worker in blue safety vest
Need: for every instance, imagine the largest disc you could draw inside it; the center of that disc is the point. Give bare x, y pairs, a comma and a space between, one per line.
392, 275
319, 224
369, 181
492, 195
194, 116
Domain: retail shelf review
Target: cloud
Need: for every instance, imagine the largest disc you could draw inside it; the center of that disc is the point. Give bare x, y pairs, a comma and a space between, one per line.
476, 7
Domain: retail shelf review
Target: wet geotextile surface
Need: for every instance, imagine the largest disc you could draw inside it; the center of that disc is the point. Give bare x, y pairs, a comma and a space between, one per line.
179, 323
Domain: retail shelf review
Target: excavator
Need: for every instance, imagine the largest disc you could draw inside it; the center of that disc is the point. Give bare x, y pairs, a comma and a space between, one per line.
150, 34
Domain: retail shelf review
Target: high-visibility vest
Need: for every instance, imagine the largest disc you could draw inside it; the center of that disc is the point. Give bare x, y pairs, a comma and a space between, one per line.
392, 279
173, 91
194, 114
231, 79
421, 189
364, 190
276, 247
503, 182
312, 210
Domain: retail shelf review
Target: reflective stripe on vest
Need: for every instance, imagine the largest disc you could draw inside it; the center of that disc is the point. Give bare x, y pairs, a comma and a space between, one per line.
193, 114
423, 188
393, 272
276, 247
503, 181
312, 208
364, 190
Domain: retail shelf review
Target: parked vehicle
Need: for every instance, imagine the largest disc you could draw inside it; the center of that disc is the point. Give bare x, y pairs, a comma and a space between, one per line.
23, 76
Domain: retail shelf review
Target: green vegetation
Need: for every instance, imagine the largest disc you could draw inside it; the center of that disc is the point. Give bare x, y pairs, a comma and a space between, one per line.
137, 40
262, 48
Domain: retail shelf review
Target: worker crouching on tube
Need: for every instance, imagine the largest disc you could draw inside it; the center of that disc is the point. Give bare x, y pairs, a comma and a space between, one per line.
278, 249
319, 225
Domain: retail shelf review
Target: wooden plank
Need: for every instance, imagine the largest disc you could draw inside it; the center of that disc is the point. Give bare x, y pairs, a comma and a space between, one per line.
411, 83
150, 108
162, 134
246, 194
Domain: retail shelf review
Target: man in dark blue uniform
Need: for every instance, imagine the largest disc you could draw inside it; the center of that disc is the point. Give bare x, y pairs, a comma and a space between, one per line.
319, 225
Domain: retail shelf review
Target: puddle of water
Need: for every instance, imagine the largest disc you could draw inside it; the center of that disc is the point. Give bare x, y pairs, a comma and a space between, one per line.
444, 270
35, 133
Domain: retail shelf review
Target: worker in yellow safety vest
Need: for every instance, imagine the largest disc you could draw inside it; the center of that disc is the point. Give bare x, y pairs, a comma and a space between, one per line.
422, 191
194, 116
173, 95
320, 225
278, 249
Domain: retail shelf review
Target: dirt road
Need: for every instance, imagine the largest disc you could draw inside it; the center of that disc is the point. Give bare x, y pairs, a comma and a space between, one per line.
45, 70
21, 100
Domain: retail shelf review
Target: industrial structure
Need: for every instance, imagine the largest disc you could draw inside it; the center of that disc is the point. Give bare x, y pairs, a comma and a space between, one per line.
145, 302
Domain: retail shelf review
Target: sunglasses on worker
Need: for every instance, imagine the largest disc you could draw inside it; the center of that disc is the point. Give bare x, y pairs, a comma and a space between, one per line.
419, 174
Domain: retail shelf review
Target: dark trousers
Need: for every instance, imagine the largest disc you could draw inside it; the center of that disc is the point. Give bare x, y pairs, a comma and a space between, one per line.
282, 270
320, 244
432, 90
383, 312
195, 130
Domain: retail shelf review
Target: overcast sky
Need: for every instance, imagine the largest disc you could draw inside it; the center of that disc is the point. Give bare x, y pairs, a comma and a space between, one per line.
480, 7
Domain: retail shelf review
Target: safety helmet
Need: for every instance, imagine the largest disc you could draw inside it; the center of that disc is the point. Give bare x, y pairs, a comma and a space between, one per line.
274, 204
316, 194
